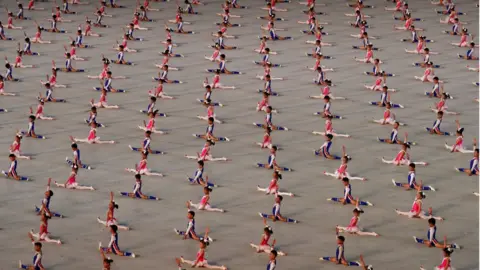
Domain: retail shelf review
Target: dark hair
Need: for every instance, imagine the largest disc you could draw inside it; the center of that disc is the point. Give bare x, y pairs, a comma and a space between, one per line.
200, 162
74, 145
38, 244
138, 176
412, 165
330, 136
345, 179
274, 147
341, 238
191, 213
432, 221
358, 210
448, 251
114, 227
274, 252
11, 155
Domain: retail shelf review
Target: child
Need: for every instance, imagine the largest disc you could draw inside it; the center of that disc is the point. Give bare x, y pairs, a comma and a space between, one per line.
31, 129
324, 150
353, 228
403, 158
142, 168
37, 257
150, 126
106, 261
12, 171
2, 91
76, 158
431, 240
273, 187
341, 172
49, 95
205, 155
42, 235
209, 133
107, 85
137, 191
272, 163
204, 204
45, 207
121, 57
347, 195
441, 106
92, 137
190, 233
473, 169
146, 145
435, 129
113, 244
329, 129
111, 220
68, 65
276, 216
200, 260
198, 177
210, 112
388, 117
458, 146
446, 261
72, 183
340, 256
416, 210
92, 117
394, 136
264, 245
326, 109
412, 183
102, 102
15, 147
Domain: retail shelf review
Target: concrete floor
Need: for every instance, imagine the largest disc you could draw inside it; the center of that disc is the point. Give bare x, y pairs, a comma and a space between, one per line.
152, 236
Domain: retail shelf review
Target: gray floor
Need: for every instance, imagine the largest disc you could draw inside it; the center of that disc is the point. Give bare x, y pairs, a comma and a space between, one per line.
152, 236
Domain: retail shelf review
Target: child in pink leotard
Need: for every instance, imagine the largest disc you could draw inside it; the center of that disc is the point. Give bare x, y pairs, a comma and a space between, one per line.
204, 204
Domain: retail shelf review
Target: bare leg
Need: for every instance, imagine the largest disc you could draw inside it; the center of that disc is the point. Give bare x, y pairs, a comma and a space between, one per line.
211, 209
367, 233
104, 223
98, 141
110, 106
388, 161
149, 173
84, 188
81, 140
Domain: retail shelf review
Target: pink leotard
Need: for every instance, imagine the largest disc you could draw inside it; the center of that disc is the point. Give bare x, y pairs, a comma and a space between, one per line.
142, 165
265, 239
273, 186
353, 222
328, 126
151, 124
72, 179
92, 134
266, 139
201, 255
416, 207
400, 156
